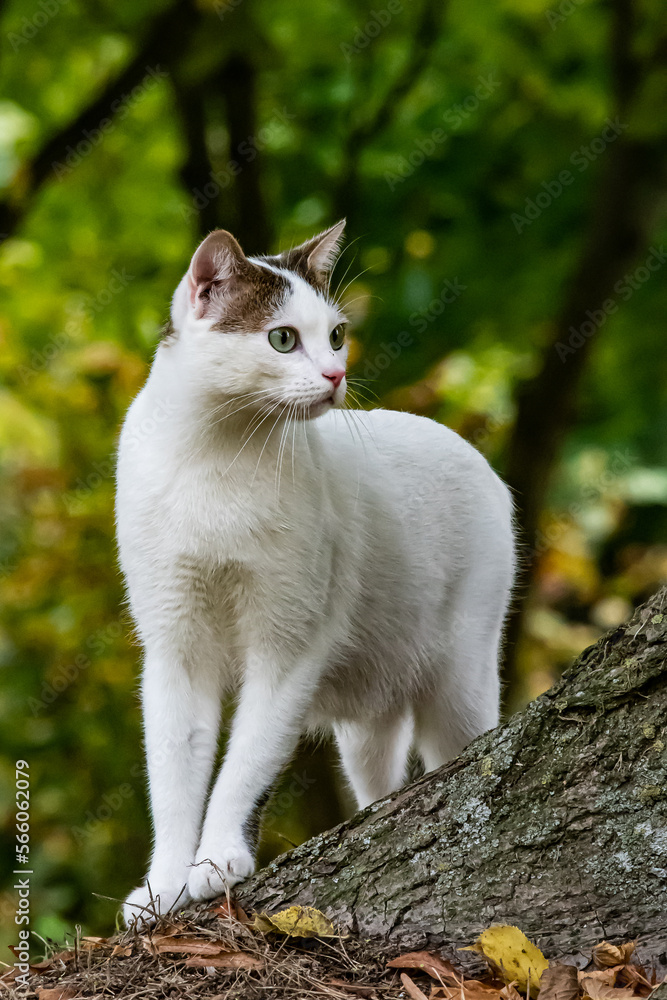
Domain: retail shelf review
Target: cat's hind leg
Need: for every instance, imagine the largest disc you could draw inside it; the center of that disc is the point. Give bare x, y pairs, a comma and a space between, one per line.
465, 700
462, 697
374, 755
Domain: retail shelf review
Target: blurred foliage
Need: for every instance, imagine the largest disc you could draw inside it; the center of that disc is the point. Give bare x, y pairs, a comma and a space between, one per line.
451, 306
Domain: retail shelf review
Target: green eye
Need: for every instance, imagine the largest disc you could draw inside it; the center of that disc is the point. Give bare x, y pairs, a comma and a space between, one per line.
337, 337
283, 339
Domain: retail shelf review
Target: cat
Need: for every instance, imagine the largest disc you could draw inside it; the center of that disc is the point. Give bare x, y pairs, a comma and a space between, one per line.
339, 570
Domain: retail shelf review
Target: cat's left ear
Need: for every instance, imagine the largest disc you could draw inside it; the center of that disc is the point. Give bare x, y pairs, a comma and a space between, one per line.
318, 255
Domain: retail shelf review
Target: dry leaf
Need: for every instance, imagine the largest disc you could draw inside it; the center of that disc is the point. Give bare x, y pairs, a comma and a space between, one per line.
122, 951
230, 910
606, 954
436, 967
597, 990
57, 993
469, 989
515, 957
606, 976
559, 982
509, 992
186, 945
355, 988
172, 930
87, 943
295, 921
64, 956
412, 988
226, 960
635, 976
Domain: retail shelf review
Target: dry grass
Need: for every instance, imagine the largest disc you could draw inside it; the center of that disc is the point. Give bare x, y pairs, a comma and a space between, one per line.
146, 963
216, 951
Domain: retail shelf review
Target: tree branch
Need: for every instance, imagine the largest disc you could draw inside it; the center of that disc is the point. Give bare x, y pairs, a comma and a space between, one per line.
249, 217
375, 122
197, 167
165, 37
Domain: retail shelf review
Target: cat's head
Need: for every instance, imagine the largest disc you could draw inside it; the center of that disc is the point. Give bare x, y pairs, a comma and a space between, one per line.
263, 325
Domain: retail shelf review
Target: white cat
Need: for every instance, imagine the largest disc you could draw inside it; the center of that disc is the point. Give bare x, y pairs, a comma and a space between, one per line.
340, 569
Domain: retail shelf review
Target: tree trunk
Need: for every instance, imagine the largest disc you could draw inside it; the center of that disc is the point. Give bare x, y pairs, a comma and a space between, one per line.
633, 180
556, 822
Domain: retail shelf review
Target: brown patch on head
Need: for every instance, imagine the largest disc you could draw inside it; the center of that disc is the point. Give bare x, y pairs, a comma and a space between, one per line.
293, 261
313, 260
238, 294
252, 303
232, 291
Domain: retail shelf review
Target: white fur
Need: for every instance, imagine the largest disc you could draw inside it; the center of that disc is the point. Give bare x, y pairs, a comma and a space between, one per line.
350, 571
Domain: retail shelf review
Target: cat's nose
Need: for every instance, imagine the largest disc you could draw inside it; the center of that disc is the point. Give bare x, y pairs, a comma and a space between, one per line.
336, 376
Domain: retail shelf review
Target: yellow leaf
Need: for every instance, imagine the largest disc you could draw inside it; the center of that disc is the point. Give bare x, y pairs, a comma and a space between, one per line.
516, 958
295, 921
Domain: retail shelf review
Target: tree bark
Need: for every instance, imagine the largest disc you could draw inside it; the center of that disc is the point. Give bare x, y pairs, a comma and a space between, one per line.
555, 821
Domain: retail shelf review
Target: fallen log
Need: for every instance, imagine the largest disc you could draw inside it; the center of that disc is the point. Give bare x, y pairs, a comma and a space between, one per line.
555, 821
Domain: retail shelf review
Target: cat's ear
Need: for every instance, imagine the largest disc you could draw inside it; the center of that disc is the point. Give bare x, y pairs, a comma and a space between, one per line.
218, 260
318, 255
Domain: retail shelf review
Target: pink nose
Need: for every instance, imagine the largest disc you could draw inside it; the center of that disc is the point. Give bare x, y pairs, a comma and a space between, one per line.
336, 376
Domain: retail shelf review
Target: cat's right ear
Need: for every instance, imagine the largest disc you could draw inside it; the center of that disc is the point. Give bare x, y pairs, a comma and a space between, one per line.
218, 260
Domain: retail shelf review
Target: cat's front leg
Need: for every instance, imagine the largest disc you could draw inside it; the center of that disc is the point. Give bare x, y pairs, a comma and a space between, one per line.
265, 730
181, 709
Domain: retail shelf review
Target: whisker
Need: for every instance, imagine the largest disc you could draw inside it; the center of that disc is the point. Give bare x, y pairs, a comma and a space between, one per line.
273, 427
296, 420
356, 392
340, 295
345, 249
358, 415
239, 408
244, 445
348, 416
281, 448
347, 303
350, 263
360, 386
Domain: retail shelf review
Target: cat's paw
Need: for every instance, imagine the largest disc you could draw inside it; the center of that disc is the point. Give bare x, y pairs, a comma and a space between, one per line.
218, 871
149, 902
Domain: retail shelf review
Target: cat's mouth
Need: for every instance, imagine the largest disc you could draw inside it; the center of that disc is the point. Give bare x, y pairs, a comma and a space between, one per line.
308, 409
319, 407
